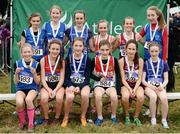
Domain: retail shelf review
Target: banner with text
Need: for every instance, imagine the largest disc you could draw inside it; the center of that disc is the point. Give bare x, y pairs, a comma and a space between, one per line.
112, 10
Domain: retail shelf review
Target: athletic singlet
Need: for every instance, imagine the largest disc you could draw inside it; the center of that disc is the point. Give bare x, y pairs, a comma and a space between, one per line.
77, 69
107, 70
122, 45
26, 80
51, 33
36, 41
157, 37
83, 34
54, 75
97, 40
150, 77
131, 76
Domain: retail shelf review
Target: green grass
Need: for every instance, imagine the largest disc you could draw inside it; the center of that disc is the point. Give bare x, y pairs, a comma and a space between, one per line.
9, 122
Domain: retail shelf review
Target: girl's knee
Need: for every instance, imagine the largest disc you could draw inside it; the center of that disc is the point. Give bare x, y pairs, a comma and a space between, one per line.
98, 96
69, 97
20, 103
164, 99
29, 100
59, 99
140, 97
114, 98
153, 98
85, 96
44, 100
125, 98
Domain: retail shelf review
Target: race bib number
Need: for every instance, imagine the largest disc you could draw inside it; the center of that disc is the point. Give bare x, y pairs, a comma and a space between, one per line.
122, 50
25, 79
154, 83
146, 45
38, 51
77, 80
52, 78
131, 79
106, 83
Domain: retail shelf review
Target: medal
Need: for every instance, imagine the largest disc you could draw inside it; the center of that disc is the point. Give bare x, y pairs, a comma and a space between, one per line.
153, 34
53, 29
107, 66
50, 65
76, 70
34, 39
130, 71
155, 81
75, 29
153, 69
126, 37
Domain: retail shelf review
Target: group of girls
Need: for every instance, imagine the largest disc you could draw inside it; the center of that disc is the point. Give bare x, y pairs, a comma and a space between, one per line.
71, 76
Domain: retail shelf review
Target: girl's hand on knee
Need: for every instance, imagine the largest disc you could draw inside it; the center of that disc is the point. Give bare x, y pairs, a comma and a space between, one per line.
70, 90
53, 94
132, 94
160, 88
153, 88
49, 92
76, 89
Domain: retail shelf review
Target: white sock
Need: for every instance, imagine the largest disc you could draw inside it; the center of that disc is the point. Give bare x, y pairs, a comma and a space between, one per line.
113, 116
100, 117
164, 120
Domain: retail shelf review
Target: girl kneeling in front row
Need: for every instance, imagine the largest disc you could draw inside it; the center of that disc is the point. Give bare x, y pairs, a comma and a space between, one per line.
131, 68
27, 79
77, 79
155, 78
52, 77
105, 70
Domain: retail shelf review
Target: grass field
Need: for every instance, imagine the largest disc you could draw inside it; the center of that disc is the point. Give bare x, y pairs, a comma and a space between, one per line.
9, 121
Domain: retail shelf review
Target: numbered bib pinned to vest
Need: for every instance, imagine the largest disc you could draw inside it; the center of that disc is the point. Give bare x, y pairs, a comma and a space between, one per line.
106, 83
37, 51
155, 82
77, 78
146, 45
25, 79
122, 49
52, 78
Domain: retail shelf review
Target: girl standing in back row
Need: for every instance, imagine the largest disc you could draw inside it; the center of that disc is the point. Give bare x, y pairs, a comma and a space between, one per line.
128, 34
155, 30
79, 30
34, 36
102, 35
54, 28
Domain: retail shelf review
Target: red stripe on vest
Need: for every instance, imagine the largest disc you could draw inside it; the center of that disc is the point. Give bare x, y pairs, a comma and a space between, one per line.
98, 69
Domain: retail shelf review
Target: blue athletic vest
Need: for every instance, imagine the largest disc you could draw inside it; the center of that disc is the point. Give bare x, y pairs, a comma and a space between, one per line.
39, 49
49, 34
82, 67
77, 78
157, 38
73, 35
26, 80
150, 74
